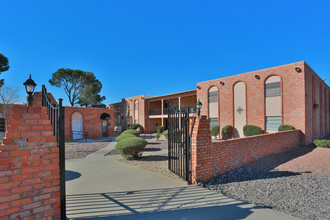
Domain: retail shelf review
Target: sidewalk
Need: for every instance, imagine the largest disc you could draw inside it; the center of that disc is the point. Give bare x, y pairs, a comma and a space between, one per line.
100, 187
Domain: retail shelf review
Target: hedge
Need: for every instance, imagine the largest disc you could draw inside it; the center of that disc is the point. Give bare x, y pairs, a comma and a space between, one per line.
322, 143
123, 136
165, 133
134, 126
159, 129
227, 131
131, 131
285, 128
215, 131
250, 130
131, 148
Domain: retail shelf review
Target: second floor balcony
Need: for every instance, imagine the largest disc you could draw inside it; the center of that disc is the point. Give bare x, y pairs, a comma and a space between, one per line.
158, 111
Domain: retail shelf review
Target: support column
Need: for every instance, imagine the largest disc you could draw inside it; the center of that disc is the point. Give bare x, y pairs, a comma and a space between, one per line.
162, 107
201, 151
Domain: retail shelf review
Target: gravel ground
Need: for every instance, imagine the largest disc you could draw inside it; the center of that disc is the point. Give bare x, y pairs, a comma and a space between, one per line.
81, 150
295, 182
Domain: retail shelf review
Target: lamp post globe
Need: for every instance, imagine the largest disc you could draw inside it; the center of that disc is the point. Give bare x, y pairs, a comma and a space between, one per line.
29, 88
199, 106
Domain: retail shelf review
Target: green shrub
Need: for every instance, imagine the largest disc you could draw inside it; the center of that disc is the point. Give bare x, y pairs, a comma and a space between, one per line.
165, 133
215, 131
228, 131
134, 126
285, 128
123, 136
159, 129
250, 130
322, 143
131, 131
158, 136
131, 148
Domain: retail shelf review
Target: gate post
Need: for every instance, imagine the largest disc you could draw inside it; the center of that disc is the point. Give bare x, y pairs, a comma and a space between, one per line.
61, 144
201, 151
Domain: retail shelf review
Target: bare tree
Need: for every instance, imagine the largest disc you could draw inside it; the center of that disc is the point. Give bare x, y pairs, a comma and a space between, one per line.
8, 97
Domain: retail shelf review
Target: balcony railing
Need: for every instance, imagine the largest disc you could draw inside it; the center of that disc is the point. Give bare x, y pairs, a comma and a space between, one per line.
158, 111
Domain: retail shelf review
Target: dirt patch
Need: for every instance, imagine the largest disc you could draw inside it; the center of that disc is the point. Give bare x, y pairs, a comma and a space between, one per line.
81, 150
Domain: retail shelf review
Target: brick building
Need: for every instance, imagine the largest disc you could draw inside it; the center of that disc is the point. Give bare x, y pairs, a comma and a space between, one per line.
83, 122
150, 111
290, 94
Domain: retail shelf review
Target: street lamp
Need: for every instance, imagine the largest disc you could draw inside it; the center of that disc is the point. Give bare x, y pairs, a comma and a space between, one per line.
29, 87
199, 106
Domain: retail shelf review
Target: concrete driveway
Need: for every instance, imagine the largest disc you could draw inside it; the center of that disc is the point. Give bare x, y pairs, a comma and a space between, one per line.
101, 187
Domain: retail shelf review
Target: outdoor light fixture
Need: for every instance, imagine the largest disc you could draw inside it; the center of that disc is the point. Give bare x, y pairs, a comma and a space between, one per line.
198, 87
315, 105
222, 83
199, 106
29, 87
257, 76
298, 70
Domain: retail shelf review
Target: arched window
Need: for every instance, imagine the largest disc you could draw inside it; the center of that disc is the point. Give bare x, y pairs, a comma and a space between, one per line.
273, 103
213, 106
239, 108
136, 112
77, 126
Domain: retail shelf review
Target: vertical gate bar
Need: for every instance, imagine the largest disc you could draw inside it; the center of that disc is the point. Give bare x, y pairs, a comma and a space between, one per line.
57, 124
62, 159
187, 147
54, 120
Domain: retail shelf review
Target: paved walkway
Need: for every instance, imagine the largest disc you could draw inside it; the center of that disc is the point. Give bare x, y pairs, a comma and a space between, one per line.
100, 187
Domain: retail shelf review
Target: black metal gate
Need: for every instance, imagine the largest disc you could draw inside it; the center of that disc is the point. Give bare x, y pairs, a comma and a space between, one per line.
56, 117
178, 141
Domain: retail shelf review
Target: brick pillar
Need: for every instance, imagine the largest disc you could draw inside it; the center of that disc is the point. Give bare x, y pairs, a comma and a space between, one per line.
29, 167
201, 151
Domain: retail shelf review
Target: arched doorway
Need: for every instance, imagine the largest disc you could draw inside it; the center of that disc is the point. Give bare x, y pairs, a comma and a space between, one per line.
77, 126
105, 117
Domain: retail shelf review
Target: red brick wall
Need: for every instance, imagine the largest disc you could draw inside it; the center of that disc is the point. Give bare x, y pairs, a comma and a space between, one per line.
293, 83
29, 167
92, 124
318, 92
213, 158
37, 99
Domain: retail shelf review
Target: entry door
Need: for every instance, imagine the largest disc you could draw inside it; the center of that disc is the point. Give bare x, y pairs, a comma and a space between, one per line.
105, 128
77, 130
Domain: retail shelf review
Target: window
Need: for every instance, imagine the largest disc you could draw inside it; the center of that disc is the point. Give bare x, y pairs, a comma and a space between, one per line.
127, 111
273, 89
213, 122
136, 112
213, 106
273, 122
273, 103
2, 125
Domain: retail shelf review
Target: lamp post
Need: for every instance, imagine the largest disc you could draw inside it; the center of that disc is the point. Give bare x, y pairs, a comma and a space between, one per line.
29, 87
199, 106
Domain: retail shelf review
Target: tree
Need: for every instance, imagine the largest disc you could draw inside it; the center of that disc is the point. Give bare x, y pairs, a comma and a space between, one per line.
4, 66
90, 96
8, 97
81, 87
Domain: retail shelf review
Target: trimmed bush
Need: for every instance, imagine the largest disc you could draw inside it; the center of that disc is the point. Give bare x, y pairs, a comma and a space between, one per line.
159, 129
250, 130
285, 128
131, 131
131, 148
123, 136
322, 143
227, 131
215, 131
134, 126
158, 136
165, 133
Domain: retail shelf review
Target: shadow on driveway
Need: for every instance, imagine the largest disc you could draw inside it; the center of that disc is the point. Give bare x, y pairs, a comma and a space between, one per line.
169, 203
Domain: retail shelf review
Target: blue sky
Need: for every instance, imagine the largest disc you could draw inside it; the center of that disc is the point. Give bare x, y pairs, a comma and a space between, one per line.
159, 47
